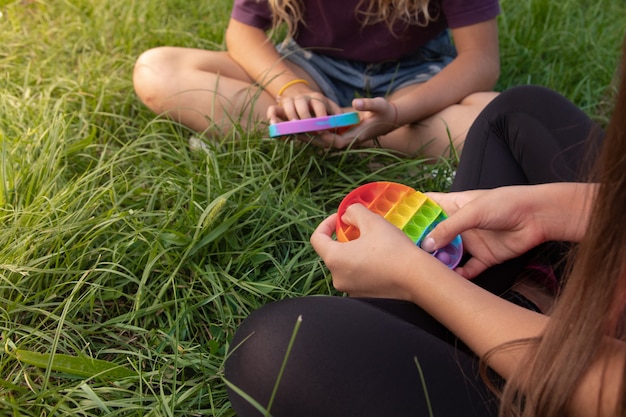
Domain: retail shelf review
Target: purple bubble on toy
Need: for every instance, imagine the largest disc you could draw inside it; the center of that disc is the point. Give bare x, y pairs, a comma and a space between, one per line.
443, 257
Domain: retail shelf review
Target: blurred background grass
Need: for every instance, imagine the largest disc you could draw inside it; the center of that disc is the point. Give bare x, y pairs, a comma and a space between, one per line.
119, 241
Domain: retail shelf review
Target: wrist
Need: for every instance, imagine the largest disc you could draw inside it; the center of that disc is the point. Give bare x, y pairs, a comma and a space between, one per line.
395, 111
288, 85
565, 209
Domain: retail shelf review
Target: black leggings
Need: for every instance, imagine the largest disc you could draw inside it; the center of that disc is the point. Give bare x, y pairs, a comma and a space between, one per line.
365, 357
527, 135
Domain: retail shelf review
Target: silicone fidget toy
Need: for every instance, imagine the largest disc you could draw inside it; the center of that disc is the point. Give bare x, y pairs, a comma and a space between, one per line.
315, 124
411, 211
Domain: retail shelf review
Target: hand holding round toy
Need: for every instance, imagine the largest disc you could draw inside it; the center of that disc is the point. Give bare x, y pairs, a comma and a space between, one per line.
411, 211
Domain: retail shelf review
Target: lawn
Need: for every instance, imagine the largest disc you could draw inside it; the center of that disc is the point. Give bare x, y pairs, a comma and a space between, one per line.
128, 254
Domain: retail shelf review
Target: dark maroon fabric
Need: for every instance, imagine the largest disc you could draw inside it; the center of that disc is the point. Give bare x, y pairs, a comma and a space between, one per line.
332, 27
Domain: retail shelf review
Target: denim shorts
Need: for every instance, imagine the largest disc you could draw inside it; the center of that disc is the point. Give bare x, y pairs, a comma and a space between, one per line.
342, 80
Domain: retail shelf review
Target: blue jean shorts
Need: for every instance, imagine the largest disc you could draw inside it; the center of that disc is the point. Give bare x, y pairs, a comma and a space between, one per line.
342, 80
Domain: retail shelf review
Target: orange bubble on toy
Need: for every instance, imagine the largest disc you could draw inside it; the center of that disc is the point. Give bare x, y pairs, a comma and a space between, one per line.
409, 210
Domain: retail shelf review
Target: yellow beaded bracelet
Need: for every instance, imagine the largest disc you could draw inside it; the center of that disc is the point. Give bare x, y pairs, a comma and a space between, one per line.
289, 84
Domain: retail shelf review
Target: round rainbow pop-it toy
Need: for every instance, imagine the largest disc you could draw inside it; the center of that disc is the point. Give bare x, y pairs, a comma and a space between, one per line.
411, 211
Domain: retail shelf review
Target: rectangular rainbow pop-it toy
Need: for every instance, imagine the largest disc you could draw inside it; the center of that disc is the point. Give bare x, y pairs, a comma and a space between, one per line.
409, 210
337, 123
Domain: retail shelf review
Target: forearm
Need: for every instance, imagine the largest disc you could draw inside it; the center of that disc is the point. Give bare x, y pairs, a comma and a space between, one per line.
455, 82
563, 209
481, 319
252, 50
476, 68
484, 322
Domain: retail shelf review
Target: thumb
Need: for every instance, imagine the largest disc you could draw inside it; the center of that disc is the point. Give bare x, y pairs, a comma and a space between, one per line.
356, 215
376, 104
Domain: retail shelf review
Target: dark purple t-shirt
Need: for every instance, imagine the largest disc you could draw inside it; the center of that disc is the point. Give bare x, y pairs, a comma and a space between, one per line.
333, 29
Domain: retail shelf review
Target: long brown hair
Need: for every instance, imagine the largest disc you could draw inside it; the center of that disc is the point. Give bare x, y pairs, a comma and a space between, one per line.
291, 12
593, 303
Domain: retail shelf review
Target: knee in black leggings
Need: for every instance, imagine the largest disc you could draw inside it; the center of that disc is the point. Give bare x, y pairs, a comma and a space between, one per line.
348, 358
527, 135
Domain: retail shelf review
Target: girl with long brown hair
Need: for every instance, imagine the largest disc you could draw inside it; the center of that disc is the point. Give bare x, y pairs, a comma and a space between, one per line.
410, 338
417, 88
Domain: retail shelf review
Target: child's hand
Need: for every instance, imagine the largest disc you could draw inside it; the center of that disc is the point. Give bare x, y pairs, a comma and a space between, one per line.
377, 264
496, 225
378, 117
302, 106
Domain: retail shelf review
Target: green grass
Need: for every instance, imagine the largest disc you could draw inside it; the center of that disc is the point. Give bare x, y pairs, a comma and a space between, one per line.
120, 242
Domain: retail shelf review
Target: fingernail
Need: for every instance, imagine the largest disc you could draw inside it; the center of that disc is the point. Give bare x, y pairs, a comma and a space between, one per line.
357, 104
428, 244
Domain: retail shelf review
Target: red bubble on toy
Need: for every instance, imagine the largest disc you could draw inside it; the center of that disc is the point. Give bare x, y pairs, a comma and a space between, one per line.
409, 210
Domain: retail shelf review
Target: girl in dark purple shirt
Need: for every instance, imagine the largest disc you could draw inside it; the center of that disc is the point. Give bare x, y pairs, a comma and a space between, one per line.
417, 71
